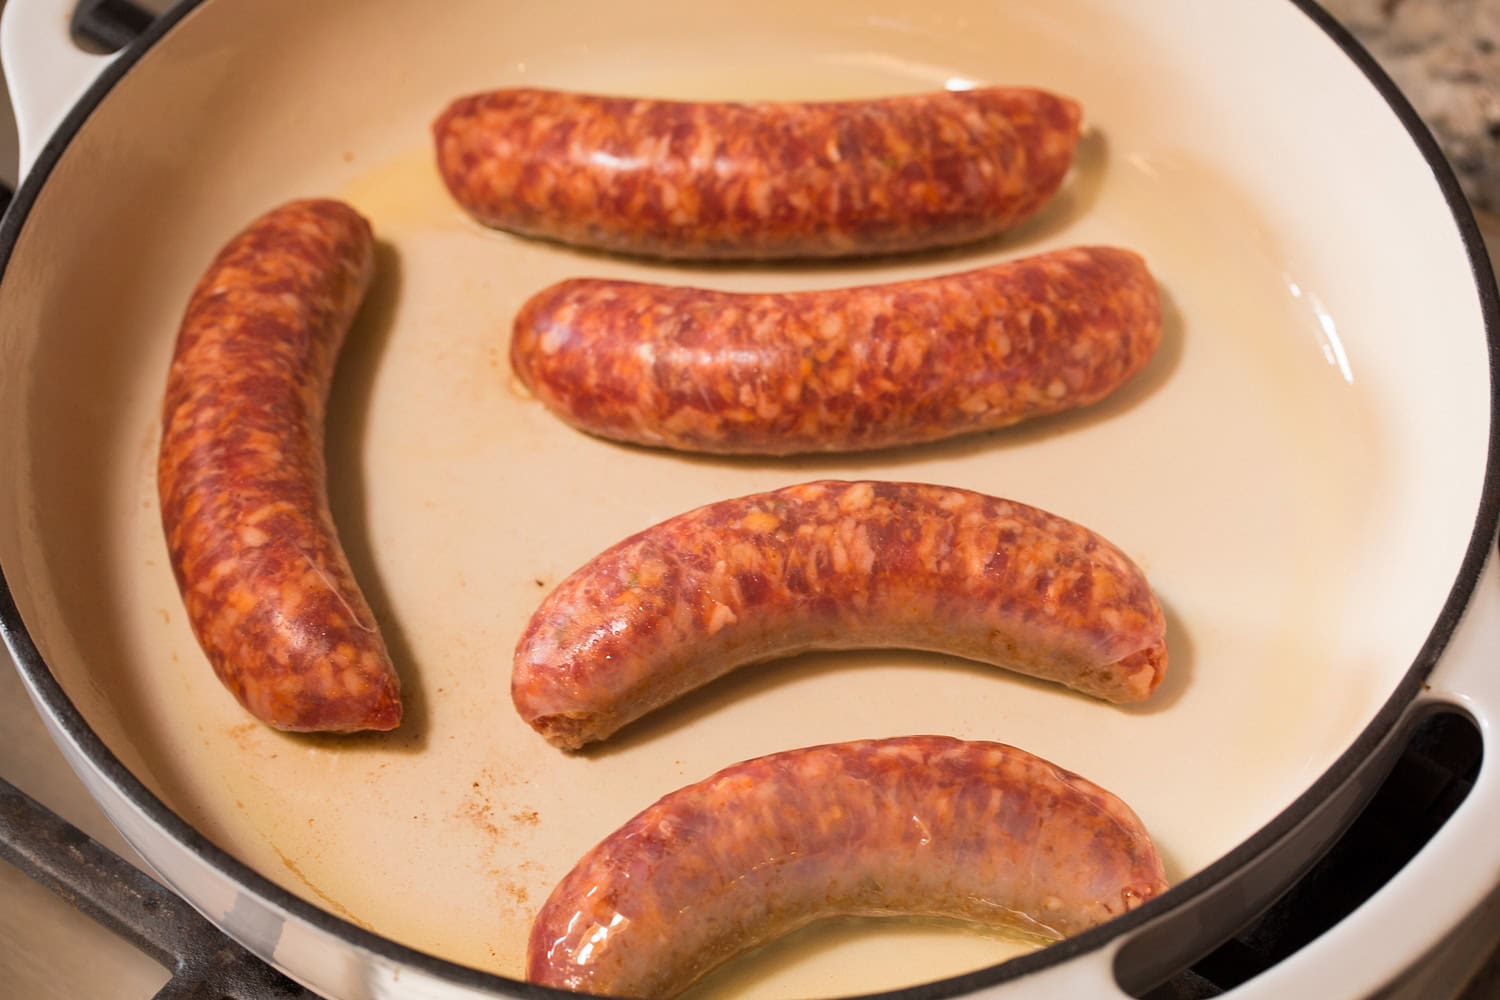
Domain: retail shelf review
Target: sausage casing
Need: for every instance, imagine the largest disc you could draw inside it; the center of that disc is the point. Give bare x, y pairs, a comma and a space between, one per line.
924, 825
834, 565
839, 370
765, 180
241, 475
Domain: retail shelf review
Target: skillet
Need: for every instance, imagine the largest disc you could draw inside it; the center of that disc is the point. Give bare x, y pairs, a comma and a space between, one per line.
1305, 472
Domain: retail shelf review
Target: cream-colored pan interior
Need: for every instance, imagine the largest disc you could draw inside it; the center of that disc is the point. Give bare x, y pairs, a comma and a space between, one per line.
1297, 471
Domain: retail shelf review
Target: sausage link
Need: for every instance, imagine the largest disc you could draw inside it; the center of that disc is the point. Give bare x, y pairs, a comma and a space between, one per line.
840, 370
922, 825
834, 565
242, 481
682, 179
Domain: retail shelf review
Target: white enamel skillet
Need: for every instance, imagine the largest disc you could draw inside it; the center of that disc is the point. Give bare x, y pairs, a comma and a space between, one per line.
1305, 472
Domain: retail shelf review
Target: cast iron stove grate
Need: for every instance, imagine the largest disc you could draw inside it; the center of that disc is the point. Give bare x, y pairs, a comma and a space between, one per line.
204, 962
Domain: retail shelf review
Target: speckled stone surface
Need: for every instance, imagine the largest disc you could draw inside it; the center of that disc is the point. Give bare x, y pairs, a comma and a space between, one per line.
1445, 56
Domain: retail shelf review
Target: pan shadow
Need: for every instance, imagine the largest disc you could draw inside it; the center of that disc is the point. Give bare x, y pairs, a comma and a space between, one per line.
1146, 383
756, 968
1073, 201
755, 679
1173, 867
1180, 667
349, 405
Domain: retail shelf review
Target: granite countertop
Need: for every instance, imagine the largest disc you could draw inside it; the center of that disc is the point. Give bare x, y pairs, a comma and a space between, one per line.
1445, 56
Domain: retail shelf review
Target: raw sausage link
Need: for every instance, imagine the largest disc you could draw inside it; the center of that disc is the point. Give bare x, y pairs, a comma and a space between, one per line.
924, 825
242, 480
769, 180
840, 370
834, 565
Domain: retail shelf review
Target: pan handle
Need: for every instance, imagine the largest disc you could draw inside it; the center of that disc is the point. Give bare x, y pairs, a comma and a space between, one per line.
1454, 879
44, 70
1444, 901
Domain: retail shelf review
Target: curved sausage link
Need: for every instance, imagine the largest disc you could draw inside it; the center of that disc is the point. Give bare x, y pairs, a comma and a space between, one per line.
841, 370
768, 180
834, 565
241, 475
922, 825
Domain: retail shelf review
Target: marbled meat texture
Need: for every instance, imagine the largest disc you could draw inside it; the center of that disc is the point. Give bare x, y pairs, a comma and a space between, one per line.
924, 825
841, 370
834, 565
682, 179
244, 502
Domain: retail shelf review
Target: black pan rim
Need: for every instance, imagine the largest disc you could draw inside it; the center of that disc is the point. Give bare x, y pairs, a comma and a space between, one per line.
66, 717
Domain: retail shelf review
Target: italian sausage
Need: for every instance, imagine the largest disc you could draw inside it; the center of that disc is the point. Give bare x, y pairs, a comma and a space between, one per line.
923, 825
680, 179
244, 503
842, 370
834, 565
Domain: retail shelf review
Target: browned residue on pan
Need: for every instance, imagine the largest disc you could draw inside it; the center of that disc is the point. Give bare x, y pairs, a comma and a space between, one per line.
505, 827
328, 900
243, 734
477, 809
509, 890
